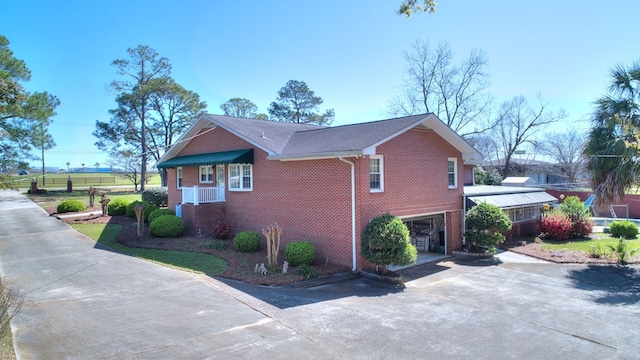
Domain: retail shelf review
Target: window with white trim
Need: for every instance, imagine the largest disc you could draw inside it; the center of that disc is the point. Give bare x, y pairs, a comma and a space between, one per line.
179, 177
521, 214
376, 174
240, 177
206, 174
452, 172
220, 175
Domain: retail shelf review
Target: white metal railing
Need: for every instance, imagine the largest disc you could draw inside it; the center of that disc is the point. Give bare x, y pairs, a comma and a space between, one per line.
201, 195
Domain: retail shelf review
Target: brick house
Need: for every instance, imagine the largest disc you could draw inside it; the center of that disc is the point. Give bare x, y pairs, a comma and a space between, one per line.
322, 184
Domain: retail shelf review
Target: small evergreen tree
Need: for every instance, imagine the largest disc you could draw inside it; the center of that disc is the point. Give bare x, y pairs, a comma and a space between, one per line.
486, 223
386, 241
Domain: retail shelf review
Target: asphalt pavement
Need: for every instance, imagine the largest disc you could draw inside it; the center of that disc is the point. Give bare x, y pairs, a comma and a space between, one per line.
84, 301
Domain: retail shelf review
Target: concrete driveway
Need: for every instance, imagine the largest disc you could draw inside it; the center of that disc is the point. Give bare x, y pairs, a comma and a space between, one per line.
87, 302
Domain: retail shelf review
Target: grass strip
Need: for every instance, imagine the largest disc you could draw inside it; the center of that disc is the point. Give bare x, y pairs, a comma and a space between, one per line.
585, 245
105, 234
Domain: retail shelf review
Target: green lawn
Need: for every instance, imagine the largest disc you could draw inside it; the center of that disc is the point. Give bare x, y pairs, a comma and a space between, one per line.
80, 180
105, 234
54, 197
585, 245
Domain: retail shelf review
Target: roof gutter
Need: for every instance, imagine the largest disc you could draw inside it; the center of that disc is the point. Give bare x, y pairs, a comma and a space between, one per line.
353, 211
316, 156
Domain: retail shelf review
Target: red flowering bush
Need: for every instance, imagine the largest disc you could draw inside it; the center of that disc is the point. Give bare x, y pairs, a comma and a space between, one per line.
221, 229
556, 225
581, 228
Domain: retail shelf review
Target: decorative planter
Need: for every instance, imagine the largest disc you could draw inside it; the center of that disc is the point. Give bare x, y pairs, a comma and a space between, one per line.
471, 255
389, 276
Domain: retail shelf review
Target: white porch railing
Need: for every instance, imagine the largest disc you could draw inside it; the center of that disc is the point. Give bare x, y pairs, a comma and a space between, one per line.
201, 195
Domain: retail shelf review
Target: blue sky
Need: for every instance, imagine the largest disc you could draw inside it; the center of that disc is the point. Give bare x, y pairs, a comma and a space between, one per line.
347, 51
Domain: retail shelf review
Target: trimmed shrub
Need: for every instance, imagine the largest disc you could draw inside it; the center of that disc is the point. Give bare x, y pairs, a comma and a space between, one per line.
148, 209
167, 226
247, 241
157, 196
221, 229
159, 212
386, 241
623, 228
556, 225
117, 207
299, 253
487, 223
70, 206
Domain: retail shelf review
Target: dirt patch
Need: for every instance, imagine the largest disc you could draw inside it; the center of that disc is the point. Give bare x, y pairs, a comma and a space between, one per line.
240, 266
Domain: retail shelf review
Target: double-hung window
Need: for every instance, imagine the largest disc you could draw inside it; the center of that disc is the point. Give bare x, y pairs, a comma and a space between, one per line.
206, 174
179, 177
376, 174
240, 177
453, 173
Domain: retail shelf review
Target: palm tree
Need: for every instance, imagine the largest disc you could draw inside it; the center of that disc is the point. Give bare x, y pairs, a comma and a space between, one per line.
68, 163
613, 145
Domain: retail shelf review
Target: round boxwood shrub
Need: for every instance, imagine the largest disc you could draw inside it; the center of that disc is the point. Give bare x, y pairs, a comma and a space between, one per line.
157, 196
624, 228
70, 206
247, 241
299, 253
148, 209
117, 207
167, 226
159, 212
386, 241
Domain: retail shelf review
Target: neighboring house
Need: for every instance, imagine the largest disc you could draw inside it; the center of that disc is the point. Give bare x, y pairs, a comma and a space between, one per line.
519, 181
542, 172
522, 204
322, 184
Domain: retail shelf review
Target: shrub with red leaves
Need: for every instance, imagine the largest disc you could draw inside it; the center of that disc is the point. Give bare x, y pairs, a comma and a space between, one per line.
556, 225
581, 228
221, 229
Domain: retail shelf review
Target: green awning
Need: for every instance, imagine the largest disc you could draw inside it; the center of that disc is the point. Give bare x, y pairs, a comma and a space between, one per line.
223, 157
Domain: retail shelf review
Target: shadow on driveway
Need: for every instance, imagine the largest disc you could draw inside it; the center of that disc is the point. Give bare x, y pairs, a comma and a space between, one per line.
609, 284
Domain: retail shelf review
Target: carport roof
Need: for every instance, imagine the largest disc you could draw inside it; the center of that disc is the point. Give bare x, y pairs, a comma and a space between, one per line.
515, 200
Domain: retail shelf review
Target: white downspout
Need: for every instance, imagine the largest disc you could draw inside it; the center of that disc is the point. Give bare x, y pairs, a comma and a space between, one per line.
464, 218
353, 211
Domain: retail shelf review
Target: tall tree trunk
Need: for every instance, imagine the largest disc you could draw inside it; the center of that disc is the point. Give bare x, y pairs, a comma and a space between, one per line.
143, 170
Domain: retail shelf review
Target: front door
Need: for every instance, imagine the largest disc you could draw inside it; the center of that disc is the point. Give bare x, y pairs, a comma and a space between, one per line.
220, 176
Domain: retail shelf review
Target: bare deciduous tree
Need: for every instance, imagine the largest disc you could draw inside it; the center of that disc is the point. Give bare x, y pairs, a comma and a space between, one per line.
516, 125
456, 93
566, 149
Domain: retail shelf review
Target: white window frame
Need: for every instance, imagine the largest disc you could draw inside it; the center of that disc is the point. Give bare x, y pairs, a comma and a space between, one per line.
207, 172
380, 172
237, 175
454, 172
179, 177
220, 176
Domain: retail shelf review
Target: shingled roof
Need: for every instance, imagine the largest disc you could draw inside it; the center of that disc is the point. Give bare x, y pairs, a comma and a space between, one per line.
289, 141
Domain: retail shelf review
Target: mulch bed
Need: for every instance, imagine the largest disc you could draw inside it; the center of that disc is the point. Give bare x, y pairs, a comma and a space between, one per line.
240, 266
534, 249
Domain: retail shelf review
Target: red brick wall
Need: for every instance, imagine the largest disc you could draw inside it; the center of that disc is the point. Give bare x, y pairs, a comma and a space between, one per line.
311, 200
415, 182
